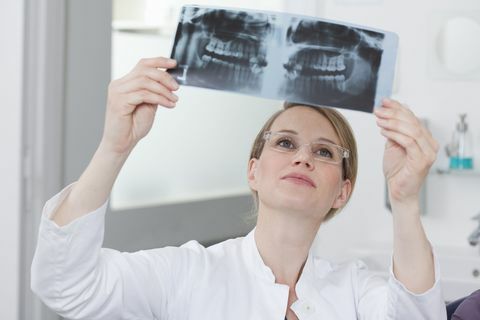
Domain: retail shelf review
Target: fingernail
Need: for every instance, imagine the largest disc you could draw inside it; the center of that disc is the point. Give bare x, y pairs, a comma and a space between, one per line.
174, 84
174, 97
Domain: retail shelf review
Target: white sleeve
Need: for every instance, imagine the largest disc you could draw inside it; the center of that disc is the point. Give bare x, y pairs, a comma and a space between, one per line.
78, 279
378, 300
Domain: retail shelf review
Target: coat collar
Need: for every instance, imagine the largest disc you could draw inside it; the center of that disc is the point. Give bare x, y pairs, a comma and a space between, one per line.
314, 267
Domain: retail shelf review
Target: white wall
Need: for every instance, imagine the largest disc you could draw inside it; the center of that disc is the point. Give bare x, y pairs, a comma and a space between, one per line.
11, 56
452, 200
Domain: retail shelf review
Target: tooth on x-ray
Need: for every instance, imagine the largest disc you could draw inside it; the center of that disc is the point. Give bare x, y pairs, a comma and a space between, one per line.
283, 56
223, 45
345, 59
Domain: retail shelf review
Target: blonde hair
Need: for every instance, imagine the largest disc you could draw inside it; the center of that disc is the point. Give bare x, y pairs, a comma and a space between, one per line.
342, 129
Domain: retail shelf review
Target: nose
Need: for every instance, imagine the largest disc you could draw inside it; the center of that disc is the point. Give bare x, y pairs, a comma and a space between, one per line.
304, 156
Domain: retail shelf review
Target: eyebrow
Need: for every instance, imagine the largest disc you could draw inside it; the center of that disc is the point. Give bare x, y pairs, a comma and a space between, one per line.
296, 133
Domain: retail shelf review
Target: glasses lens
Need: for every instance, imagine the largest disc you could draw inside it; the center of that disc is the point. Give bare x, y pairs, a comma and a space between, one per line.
326, 152
283, 142
321, 151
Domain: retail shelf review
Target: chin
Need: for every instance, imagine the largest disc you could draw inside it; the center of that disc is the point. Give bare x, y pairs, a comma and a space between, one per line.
302, 201
296, 202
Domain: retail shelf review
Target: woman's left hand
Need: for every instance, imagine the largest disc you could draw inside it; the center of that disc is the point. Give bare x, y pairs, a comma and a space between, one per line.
410, 150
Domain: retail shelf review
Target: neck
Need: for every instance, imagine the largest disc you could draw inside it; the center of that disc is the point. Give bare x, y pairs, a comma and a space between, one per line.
284, 240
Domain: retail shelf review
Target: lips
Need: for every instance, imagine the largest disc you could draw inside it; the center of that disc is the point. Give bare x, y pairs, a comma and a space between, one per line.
300, 179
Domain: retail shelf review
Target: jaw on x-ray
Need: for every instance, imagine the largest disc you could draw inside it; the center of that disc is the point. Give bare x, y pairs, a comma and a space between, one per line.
283, 56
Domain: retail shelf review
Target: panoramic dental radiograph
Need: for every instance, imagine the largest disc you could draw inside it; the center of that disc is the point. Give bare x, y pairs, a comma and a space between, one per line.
280, 56
222, 49
332, 62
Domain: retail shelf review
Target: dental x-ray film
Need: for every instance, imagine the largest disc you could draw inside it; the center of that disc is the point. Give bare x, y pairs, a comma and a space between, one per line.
283, 56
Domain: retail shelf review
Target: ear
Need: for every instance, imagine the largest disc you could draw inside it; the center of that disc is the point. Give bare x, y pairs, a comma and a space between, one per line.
251, 174
344, 195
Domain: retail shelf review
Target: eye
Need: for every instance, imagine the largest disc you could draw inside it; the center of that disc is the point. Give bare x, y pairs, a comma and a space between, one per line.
323, 151
285, 143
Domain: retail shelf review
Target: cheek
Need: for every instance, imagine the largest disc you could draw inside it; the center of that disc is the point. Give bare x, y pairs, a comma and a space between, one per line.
268, 172
332, 178
335, 176
273, 166
336, 182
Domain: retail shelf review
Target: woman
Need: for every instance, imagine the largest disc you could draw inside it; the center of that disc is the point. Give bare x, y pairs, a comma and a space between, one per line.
302, 170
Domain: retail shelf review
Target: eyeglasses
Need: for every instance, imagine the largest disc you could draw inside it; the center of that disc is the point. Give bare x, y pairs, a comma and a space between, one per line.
320, 150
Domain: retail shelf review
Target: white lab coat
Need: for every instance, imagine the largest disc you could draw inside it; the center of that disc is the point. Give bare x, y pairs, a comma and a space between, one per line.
78, 279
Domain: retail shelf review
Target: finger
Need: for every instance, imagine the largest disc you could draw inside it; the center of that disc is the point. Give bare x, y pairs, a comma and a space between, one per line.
145, 83
411, 148
413, 131
153, 73
163, 77
409, 145
147, 97
431, 140
149, 63
394, 109
157, 62
393, 104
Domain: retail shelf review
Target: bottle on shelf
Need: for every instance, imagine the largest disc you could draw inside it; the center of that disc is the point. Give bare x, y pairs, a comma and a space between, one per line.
460, 149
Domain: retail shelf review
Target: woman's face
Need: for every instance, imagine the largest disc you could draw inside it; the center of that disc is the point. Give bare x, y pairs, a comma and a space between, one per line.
296, 182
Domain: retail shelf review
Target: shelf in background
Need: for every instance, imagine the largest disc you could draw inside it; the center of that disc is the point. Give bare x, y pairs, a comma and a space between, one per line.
466, 172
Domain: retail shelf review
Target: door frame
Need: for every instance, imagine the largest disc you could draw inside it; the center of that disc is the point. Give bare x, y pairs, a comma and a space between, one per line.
43, 97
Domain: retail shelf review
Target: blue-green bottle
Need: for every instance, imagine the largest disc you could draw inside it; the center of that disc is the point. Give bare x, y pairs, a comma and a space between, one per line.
460, 149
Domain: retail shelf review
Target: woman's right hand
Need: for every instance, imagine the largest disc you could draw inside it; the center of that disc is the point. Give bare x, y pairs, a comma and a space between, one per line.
133, 101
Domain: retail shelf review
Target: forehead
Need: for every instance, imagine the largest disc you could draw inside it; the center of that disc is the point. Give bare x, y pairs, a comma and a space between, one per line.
308, 122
